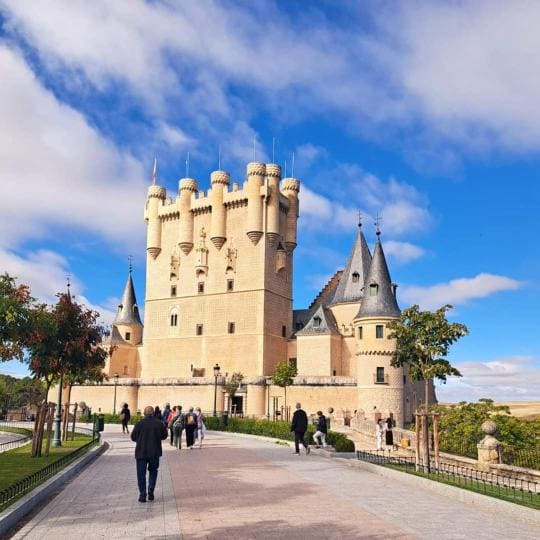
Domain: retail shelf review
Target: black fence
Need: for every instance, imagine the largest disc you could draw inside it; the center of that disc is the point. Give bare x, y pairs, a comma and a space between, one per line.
503, 487
21, 487
521, 457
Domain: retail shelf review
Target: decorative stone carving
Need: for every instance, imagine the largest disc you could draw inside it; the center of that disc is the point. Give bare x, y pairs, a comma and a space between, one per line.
201, 265
230, 257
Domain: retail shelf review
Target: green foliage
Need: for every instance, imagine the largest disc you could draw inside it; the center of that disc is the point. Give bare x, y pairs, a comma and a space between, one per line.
231, 385
279, 430
423, 339
15, 393
283, 376
65, 343
460, 426
15, 318
115, 418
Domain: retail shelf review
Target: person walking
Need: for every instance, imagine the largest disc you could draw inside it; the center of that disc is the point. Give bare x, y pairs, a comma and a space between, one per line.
379, 430
148, 434
190, 425
299, 427
125, 416
157, 412
389, 436
322, 429
168, 422
165, 413
201, 428
178, 427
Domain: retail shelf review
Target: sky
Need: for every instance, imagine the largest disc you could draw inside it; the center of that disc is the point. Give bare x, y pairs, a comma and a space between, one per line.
425, 113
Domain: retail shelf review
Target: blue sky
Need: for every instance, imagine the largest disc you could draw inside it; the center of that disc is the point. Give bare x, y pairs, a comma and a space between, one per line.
424, 112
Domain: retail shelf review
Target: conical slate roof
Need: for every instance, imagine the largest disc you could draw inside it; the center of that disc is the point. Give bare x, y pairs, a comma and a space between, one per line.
379, 299
352, 280
128, 311
321, 322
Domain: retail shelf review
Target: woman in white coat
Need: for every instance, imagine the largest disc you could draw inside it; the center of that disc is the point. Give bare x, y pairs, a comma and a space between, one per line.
379, 432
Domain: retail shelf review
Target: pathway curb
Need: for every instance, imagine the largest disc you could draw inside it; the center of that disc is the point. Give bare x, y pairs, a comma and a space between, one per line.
516, 511
14, 513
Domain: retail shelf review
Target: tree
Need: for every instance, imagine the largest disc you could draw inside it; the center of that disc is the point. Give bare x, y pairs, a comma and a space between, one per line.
64, 346
423, 340
15, 320
231, 386
460, 426
283, 376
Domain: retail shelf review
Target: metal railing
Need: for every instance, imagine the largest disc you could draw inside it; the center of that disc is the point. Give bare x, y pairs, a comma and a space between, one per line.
503, 487
26, 484
15, 443
521, 457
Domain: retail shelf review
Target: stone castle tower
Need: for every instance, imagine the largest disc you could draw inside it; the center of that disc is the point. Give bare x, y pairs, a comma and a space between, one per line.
219, 276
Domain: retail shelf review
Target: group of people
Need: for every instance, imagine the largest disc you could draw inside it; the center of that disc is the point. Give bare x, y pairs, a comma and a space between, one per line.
299, 426
384, 429
176, 422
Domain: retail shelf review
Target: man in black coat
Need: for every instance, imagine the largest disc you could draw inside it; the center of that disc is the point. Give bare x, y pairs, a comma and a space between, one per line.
299, 426
148, 434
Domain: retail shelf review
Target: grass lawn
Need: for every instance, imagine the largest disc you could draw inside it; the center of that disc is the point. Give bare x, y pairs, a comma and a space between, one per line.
18, 463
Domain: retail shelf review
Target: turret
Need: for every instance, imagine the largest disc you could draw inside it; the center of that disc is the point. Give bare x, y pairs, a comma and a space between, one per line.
273, 174
290, 188
379, 384
187, 187
220, 183
127, 320
255, 172
156, 198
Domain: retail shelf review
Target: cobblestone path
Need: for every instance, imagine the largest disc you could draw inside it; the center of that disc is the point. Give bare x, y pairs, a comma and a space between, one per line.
244, 488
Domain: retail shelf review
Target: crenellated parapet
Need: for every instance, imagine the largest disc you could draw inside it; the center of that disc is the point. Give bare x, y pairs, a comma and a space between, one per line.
271, 209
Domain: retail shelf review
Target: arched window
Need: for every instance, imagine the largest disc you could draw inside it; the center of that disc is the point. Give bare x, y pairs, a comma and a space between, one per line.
355, 277
174, 317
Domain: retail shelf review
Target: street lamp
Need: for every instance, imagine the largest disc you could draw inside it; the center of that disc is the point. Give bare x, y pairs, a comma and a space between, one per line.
216, 375
57, 438
116, 377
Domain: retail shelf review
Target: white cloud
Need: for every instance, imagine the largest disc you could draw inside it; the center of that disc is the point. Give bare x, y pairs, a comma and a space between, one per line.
57, 170
402, 208
45, 272
512, 378
474, 85
402, 252
457, 291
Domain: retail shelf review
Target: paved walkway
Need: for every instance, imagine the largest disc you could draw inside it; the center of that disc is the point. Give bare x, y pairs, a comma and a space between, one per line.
243, 488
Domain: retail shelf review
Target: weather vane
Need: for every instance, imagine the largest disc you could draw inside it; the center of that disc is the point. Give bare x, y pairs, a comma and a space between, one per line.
130, 262
378, 222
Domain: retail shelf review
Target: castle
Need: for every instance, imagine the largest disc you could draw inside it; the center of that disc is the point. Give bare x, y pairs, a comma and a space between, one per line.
219, 277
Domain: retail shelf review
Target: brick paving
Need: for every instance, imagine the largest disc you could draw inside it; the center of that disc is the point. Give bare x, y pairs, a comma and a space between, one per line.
244, 488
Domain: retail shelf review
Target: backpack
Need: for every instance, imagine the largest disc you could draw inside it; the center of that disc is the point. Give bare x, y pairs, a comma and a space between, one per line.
122, 416
178, 421
190, 420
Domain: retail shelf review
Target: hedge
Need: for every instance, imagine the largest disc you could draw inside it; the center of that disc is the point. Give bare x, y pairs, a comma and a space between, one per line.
115, 418
279, 430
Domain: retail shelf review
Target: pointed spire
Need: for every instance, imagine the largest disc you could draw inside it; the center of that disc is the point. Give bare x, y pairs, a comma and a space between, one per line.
379, 298
68, 282
128, 311
154, 172
350, 285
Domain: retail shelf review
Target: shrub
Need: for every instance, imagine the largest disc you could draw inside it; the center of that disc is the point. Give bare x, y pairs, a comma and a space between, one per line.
115, 418
279, 430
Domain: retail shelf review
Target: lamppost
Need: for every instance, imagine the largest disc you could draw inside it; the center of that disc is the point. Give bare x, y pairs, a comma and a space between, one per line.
216, 375
57, 438
116, 377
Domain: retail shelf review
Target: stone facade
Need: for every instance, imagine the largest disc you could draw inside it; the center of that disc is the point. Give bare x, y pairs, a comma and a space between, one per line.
219, 278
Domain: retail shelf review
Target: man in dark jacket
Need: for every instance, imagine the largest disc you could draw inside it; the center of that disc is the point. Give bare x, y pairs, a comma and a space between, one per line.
148, 434
299, 427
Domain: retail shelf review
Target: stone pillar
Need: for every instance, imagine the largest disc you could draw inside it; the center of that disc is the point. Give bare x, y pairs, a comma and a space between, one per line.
488, 447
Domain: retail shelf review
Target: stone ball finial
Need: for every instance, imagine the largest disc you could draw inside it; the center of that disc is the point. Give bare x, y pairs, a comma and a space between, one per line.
489, 427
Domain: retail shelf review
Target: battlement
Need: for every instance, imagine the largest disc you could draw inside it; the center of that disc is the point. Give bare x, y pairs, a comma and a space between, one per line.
266, 201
